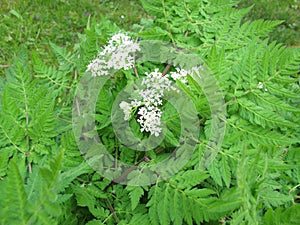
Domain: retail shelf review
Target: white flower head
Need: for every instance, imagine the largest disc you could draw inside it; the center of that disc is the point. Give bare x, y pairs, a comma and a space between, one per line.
98, 67
118, 54
260, 85
148, 100
180, 74
150, 120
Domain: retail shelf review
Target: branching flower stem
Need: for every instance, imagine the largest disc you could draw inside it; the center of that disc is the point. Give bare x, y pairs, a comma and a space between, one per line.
135, 71
146, 159
113, 212
166, 69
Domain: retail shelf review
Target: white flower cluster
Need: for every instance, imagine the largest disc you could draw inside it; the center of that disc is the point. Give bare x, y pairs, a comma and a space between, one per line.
150, 98
260, 85
180, 74
117, 54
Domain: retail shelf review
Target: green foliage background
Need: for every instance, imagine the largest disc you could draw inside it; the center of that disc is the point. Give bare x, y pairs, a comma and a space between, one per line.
255, 177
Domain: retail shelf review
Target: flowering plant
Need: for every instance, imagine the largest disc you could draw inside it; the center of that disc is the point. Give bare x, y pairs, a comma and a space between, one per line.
196, 121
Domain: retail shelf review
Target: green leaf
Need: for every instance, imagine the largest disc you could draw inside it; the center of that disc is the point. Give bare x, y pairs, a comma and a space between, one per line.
135, 194
274, 198
225, 170
189, 179
215, 173
15, 207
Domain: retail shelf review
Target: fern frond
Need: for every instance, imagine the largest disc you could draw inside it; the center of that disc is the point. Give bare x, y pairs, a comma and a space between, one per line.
189, 179
261, 116
28, 121
66, 59
274, 198
278, 90
155, 193
12, 133
256, 134
43, 121
259, 28
273, 102
56, 80
72, 155
153, 7
290, 64
282, 216
225, 170
215, 172
43, 188
178, 200
68, 176
140, 218
135, 195
5, 154
85, 197
15, 201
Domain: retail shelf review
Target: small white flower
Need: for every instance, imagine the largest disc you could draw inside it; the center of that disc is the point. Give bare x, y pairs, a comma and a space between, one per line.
260, 85
98, 67
136, 103
180, 74
150, 120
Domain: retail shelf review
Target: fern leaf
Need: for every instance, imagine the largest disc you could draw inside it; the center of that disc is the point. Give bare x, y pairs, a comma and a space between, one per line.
258, 115
255, 133
135, 195
84, 197
273, 101
215, 173
5, 155
259, 27
278, 216
176, 212
274, 198
153, 7
225, 171
189, 179
163, 207
58, 81
278, 90
65, 59
12, 133
291, 67
16, 202
140, 218
68, 176
43, 188
153, 204
171, 204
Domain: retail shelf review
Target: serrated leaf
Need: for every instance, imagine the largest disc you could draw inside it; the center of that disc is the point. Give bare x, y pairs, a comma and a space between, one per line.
225, 170
135, 194
215, 173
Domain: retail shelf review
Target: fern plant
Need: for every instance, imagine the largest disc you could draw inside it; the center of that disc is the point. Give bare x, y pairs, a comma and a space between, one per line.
252, 180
